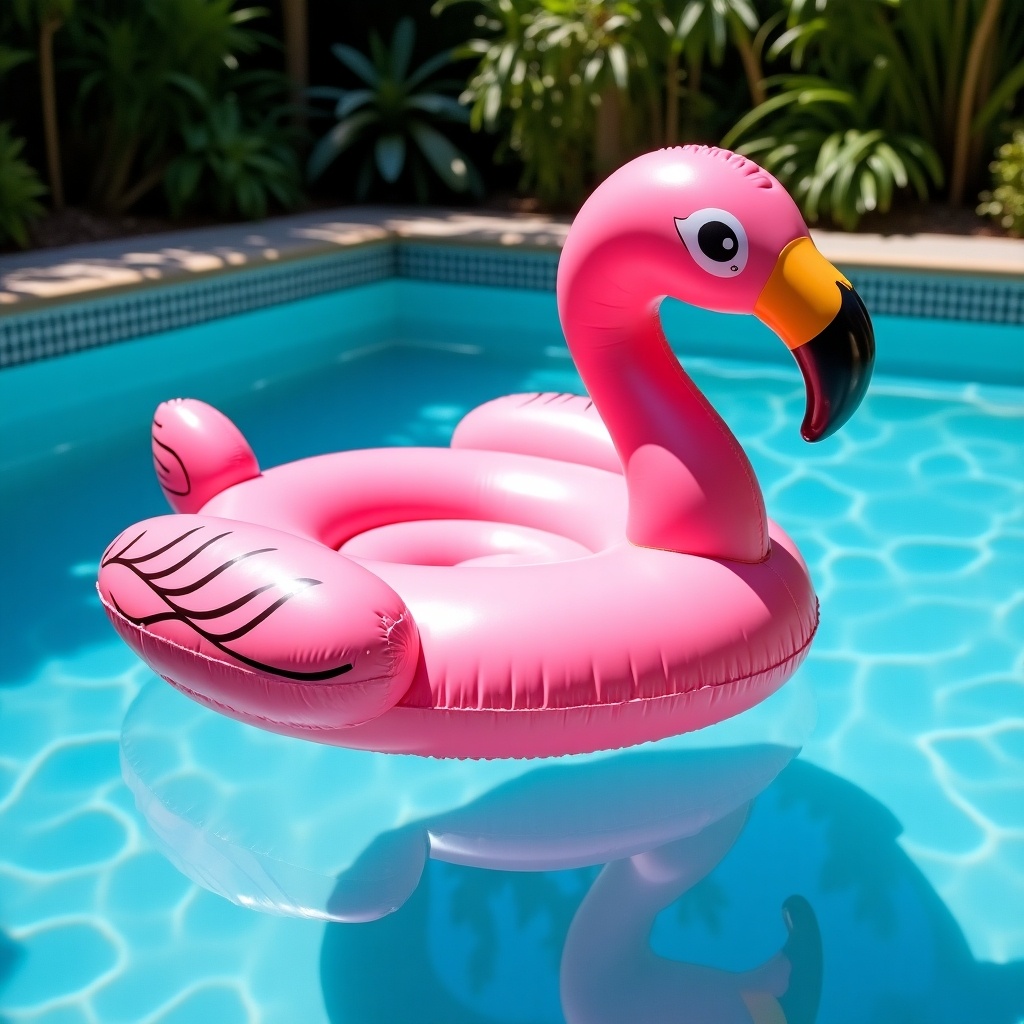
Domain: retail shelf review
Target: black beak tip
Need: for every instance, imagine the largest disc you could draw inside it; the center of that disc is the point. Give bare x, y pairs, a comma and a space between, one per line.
837, 366
811, 433
821, 422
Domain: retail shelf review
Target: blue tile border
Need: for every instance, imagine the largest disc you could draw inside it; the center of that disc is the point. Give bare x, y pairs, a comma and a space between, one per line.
496, 268
73, 327
62, 329
945, 296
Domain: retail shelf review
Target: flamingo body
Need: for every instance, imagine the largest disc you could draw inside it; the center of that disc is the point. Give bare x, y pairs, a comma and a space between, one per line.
573, 574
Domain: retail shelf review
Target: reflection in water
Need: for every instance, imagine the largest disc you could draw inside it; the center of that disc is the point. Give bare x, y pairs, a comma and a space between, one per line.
297, 828
688, 932
664, 814
738, 885
609, 972
598, 949
562, 816
9, 956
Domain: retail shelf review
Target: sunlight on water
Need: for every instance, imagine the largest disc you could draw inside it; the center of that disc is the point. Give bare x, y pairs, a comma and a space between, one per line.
901, 824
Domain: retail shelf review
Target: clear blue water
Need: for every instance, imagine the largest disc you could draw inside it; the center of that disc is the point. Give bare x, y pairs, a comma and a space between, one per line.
900, 825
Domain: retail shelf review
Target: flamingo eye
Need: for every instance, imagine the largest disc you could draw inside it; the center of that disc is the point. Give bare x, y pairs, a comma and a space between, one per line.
716, 241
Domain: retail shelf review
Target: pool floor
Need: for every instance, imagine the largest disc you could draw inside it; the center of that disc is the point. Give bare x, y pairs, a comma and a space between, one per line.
901, 823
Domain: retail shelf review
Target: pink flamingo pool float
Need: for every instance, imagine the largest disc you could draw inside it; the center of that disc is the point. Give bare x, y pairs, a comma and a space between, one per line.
573, 573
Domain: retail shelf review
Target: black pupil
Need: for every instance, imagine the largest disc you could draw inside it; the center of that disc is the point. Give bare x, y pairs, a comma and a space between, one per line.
718, 241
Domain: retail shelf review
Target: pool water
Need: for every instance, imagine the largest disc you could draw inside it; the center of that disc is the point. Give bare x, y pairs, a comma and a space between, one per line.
899, 828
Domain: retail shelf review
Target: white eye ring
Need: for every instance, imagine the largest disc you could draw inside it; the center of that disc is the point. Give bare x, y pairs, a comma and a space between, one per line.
716, 241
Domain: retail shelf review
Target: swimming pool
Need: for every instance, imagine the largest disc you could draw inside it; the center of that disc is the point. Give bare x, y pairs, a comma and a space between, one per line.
901, 824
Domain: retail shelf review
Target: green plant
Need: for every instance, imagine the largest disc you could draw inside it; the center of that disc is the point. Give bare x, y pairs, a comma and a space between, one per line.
142, 63
578, 86
946, 71
888, 95
819, 140
600, 44
47, 17
393, 119
20, 189
521, 89
697, 31
561, 74
11, 57
1005, 200
239, 168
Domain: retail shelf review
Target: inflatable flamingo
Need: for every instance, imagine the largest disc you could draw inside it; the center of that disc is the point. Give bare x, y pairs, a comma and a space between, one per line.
572, 574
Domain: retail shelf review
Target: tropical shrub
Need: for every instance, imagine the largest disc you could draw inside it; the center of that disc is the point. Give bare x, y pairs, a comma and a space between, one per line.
392, 123
820, 141
235, 166
20, 189
558, 73
880, 96
888, 94
698, 32
143, 67
578, 86
1005, 200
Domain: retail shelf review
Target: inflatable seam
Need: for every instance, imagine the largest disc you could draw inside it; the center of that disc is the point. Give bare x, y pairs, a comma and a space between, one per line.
732, 680
789, 590
203, 698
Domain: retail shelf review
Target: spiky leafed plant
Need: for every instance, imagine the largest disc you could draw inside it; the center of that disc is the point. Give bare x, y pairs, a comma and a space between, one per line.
819, 140
141, 64
391, 123
699, 31
941, 72
562, 75
20, 187
237, 164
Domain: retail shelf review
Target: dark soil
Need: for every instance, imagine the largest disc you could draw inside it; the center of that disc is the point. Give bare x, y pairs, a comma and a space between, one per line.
72, 226
931, 218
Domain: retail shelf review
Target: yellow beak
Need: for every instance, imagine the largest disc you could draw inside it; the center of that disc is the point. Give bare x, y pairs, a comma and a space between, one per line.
814, 309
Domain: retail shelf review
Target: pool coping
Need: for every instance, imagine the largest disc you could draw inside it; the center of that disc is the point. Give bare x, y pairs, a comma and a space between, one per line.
44, 278
57, 302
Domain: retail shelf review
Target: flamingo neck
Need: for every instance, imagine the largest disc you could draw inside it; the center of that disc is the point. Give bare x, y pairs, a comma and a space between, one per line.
691, 487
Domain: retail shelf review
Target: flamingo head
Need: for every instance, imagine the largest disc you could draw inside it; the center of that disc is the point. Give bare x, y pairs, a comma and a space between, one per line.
715, 230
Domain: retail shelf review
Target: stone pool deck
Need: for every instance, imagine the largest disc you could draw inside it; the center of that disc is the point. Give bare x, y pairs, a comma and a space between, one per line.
43, 278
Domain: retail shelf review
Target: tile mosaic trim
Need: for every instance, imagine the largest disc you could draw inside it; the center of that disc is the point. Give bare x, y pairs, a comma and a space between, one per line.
946, 297
498, 268
70, 328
